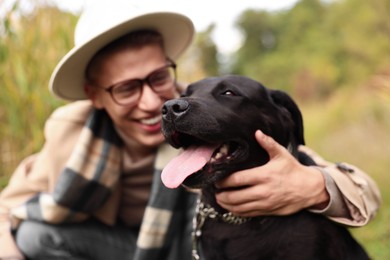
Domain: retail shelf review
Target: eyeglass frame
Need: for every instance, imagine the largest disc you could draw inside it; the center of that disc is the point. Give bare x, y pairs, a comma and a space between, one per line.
110, 89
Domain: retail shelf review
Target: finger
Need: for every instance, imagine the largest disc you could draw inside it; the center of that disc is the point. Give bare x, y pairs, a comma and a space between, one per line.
239, 197
248, 177
251, 176
272, 147
258, 213
253, 208
250, 209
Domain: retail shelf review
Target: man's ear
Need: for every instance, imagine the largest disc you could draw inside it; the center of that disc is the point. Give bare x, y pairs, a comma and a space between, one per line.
92, 95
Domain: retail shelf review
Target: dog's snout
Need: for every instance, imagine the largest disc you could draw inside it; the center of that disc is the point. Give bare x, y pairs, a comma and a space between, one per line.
175, 107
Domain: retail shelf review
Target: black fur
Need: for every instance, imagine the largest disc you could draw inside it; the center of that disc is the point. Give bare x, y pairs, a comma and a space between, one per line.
230, 109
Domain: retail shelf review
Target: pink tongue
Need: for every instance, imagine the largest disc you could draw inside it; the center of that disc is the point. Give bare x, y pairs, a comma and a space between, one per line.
188, 162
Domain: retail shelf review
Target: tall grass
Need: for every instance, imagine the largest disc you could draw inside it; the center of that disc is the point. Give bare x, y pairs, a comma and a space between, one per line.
354, 126
27, 58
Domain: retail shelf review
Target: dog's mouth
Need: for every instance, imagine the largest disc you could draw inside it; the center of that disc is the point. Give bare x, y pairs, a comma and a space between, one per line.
199, 157
223, 153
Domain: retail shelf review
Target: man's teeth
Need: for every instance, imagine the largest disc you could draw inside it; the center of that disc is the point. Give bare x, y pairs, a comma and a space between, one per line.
151, 121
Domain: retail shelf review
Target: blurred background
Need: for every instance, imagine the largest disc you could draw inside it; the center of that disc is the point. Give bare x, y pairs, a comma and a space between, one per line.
333, 57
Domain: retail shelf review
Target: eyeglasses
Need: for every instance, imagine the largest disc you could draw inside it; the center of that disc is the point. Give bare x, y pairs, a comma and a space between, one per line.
128, 92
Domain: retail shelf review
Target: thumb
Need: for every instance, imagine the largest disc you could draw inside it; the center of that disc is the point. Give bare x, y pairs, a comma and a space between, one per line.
272, 147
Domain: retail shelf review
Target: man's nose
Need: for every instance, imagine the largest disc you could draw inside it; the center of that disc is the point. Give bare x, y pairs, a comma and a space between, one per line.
149, 99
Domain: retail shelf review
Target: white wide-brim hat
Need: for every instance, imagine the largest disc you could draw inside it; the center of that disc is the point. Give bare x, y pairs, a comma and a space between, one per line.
99, 25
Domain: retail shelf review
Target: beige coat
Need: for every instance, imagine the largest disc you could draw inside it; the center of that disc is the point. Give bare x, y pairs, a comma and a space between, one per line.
39, 173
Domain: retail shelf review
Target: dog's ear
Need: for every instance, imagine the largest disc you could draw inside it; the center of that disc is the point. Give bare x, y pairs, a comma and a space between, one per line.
283, 100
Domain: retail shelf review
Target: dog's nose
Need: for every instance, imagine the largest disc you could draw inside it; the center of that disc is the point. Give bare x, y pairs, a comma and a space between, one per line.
174, 108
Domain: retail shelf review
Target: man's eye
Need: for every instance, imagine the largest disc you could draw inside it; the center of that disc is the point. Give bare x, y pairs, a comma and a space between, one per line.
128, 87
160, 78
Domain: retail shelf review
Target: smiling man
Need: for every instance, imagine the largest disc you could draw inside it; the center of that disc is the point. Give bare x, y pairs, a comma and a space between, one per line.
94, 190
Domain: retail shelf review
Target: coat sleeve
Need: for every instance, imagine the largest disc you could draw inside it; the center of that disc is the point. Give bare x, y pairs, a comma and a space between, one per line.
354, 196
15, 193
37, 173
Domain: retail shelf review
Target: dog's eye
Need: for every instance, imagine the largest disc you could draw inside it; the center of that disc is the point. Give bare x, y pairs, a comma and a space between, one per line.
229, 93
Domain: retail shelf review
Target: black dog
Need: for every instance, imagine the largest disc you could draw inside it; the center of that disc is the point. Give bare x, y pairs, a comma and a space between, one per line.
215, 121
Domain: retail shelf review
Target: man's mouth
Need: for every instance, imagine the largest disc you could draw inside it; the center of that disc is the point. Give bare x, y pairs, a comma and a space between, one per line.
151, 120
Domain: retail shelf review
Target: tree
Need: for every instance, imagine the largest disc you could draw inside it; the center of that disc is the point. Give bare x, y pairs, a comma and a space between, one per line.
208, 51
316, 47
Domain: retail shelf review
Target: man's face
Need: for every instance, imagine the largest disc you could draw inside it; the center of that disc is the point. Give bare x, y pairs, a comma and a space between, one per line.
140, 121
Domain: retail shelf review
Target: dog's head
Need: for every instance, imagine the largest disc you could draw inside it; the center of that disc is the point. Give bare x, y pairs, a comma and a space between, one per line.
215, 122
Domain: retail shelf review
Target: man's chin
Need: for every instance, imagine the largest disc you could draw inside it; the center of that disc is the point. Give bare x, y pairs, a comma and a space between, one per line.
151, 140
141, 138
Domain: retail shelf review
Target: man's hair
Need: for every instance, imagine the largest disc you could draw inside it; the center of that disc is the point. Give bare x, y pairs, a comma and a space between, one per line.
133, 40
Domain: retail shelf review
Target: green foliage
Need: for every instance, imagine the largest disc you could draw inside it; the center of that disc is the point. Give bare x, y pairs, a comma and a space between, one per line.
354, 126
208, 51
316, 47
30, 48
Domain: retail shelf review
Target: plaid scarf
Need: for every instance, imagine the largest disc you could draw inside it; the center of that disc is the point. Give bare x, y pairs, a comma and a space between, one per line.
89, 178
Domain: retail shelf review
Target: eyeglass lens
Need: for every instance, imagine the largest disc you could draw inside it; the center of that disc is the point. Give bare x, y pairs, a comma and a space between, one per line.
128, 92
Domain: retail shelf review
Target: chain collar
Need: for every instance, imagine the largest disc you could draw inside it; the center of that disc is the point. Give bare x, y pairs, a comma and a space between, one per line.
204, 211
209, 212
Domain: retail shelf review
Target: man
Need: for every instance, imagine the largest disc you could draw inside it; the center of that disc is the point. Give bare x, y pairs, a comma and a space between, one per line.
94, 190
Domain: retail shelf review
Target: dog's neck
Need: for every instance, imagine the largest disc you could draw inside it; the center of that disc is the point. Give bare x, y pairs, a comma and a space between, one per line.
205, 211
208, 197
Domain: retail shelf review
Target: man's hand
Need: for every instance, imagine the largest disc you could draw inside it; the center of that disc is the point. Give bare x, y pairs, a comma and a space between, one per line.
280, 187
